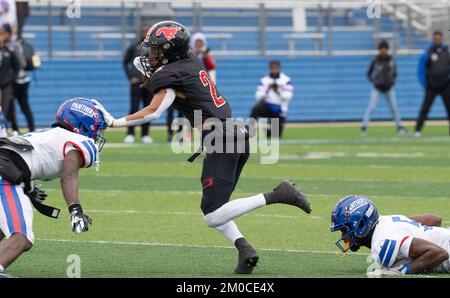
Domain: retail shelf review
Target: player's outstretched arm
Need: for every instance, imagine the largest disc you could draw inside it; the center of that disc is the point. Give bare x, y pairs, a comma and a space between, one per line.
161, 101
69, 185
428, 219
426, 255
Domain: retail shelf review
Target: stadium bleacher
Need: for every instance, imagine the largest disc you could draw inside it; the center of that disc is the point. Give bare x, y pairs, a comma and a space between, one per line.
326, 88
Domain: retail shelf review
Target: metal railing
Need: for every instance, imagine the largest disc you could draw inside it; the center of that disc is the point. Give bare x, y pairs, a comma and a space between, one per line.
404, 13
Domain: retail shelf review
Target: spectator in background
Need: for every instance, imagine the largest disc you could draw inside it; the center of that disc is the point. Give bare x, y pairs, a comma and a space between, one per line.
434, 75
273, 93
22, 12
382, 74
9, 68
137, 94
8, 13
22, 81
199, 46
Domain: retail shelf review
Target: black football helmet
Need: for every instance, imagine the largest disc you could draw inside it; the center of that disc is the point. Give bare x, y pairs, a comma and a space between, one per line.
166, 41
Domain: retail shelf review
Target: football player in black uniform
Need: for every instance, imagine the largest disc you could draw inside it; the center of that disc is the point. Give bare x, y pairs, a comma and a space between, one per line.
177, 77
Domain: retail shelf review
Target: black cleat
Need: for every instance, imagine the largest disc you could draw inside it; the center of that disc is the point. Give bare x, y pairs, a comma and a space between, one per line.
5, 275
248, 258
286, 193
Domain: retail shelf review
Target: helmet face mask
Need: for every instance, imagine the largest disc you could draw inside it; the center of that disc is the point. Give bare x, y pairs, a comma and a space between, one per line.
151, 57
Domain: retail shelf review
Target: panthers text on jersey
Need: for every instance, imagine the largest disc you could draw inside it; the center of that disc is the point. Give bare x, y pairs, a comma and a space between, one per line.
393, 235
50, 147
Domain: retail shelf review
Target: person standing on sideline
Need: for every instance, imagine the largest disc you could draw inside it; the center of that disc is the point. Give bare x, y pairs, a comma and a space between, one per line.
199, 46
273, 94
22, 81
9, 68
382, 74
137, 94
434, 76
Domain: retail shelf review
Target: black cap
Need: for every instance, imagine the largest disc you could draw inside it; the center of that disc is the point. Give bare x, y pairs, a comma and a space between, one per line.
274, 62
383, 45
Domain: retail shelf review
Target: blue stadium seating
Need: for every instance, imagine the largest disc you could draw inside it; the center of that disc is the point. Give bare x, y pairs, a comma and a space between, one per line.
326, 88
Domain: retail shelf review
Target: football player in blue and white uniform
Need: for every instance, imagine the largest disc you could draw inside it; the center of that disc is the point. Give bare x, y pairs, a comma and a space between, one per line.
73, 142
398, 244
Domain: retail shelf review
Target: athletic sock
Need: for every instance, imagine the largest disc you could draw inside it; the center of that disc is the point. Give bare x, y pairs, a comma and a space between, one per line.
230, 231
2, 269
233, 209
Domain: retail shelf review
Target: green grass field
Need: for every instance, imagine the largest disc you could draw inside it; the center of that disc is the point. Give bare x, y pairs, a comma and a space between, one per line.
145, 203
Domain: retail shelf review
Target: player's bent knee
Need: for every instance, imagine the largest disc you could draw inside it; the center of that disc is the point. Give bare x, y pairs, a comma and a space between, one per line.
213, 220
21, 242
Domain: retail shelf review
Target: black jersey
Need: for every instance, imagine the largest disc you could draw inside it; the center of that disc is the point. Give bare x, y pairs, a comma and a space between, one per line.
190, 77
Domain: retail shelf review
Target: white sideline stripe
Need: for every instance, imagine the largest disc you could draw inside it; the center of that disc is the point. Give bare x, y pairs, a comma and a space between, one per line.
188, 245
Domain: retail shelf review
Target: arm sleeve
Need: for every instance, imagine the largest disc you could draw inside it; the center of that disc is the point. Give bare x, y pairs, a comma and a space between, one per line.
392, 250
87, 148
261, 91
370, 70
15, 63
127, 59
209, 62
422, 69
287, 91
165, 104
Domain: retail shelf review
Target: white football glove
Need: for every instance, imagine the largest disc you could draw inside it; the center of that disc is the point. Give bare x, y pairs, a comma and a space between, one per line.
108, 117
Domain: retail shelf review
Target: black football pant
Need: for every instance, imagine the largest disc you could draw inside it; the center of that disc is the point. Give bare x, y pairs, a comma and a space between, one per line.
261, 110
8, 106
137, 96
430, 95
220, 174
21, 94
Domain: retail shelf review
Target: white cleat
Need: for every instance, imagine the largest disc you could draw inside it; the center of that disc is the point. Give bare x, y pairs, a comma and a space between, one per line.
417, 134
129, 139
147, 140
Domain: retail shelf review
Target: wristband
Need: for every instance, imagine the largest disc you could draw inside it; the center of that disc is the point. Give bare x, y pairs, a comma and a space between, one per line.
119, 122
75, 207
406, 269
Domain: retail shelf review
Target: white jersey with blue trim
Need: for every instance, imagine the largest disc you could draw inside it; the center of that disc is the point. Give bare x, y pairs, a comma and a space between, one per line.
50, 147
393, 235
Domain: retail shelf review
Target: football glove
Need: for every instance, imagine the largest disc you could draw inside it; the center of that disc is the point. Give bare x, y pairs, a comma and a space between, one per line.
37, 194
108, 117
80, 221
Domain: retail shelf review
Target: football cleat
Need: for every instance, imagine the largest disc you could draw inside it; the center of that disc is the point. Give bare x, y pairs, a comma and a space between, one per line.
286, 193
248, 258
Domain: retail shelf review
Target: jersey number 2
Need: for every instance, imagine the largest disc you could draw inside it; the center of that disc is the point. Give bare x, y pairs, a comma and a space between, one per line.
206, 81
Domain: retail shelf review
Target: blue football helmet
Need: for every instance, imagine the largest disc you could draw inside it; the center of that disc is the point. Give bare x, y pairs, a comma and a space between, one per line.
355, 216
79, 115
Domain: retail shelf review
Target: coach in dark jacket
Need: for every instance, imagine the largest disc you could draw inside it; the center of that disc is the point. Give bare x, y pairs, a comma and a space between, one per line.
382, 74
9, 68
137, 94
434, 75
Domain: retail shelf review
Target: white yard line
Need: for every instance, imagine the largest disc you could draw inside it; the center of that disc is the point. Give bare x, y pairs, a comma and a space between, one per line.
307, 141
189, 246
186, 213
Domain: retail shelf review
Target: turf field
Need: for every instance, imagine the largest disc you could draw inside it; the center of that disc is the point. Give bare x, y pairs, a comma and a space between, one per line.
145, 203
